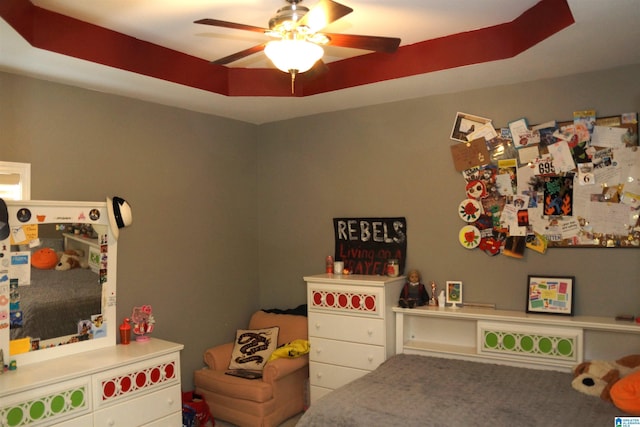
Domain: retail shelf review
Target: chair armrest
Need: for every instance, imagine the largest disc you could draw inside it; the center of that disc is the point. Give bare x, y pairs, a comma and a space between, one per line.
282, 367
218, 358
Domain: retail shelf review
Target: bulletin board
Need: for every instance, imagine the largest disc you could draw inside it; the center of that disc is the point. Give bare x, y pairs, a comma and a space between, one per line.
558, 184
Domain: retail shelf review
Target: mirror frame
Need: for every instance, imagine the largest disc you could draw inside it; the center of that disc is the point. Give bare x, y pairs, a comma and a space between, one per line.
42, 212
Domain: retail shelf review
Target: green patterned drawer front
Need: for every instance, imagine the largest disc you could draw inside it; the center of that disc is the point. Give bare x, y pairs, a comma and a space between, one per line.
527, 341
44, 408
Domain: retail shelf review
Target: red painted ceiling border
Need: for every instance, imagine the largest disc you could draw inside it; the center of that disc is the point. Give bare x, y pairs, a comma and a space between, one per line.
54, 32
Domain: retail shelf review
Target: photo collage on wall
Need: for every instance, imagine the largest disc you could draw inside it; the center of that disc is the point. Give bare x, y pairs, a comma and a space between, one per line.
556, 184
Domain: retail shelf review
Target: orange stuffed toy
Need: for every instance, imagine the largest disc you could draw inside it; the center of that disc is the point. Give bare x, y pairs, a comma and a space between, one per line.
625, 393
617, 381
44, 259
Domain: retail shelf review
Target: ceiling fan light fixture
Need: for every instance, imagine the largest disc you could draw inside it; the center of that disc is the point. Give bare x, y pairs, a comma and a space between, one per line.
287, 16
293, 55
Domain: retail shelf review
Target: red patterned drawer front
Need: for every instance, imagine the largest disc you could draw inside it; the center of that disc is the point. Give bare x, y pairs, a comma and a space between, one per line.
138, 380
342, 300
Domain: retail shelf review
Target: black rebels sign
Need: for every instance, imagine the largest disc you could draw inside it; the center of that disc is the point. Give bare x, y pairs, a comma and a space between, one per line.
365, 244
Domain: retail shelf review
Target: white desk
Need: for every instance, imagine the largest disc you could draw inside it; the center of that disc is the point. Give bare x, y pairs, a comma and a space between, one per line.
513, 337
90, 247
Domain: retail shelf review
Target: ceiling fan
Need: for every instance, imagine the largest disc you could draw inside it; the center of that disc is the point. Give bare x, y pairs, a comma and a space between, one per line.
297, 40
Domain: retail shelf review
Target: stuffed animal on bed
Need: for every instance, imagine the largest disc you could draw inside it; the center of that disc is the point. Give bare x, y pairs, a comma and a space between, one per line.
615, 381
71, 258
44, 259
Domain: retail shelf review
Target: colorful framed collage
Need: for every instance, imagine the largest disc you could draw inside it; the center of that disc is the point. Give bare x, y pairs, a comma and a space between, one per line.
550, 295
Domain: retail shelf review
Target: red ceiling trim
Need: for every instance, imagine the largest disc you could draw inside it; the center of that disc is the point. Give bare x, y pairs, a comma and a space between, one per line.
484, 45
51, 31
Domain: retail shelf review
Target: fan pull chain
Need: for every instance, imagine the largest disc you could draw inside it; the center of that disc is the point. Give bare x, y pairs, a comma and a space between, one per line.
293, 80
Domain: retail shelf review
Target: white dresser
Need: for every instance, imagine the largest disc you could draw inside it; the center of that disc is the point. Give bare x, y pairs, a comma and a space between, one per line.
351, 327
123, 385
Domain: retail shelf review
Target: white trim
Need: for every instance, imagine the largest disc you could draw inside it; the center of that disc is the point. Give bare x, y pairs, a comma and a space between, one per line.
22, 169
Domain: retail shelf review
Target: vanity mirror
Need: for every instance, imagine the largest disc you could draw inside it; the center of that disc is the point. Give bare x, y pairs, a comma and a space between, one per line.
57, 280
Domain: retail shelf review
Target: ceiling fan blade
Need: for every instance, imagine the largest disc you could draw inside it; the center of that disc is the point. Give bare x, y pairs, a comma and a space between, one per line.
323, 14
239, 55
374, 43
226, 24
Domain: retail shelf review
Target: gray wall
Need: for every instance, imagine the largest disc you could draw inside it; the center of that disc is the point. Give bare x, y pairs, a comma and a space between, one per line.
226, 222
190, 179
394, 160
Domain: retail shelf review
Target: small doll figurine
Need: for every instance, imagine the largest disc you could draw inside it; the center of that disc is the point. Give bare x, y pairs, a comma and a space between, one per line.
414, 292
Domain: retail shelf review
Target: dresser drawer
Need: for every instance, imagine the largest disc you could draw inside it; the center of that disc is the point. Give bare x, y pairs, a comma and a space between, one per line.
347, 328
354, 355
134, 379
351, 300
141, 410
172, 420
318, 392
83, 421
331, 376
47, 405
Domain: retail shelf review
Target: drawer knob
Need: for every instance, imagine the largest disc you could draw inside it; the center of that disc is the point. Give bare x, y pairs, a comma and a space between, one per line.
370, 358
111, 422
369, 332
317, 325
319, 375
170, 401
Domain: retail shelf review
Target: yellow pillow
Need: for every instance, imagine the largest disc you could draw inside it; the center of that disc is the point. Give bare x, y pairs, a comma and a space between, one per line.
295, 348
625, 393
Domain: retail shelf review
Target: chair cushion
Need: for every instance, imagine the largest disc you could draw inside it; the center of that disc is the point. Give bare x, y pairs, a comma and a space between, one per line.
253, 347
233, 387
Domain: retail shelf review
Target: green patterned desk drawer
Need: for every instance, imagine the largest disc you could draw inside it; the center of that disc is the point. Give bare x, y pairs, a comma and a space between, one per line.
47, 404
531, 342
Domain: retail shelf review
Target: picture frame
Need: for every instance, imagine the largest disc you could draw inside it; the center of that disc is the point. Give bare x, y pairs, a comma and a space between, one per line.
550, 294
453, 293
465, 124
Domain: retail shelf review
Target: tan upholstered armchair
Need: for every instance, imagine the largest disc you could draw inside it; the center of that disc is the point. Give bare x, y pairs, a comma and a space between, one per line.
269, 401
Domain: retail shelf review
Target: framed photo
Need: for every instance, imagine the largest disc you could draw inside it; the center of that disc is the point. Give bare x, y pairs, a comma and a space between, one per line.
454, 293
550, 295
465, 125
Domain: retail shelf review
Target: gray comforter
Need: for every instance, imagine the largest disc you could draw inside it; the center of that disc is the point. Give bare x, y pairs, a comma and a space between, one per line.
56, 301
410, 390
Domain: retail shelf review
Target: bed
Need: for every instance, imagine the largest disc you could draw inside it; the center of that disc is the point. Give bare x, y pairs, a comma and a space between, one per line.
413, 390
55, 301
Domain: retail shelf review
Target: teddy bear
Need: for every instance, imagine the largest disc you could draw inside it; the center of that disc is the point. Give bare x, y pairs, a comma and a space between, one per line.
597, 377
71, 258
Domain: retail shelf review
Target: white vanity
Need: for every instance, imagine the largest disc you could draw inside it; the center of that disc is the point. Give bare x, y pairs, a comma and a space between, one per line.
60, 329
122, 385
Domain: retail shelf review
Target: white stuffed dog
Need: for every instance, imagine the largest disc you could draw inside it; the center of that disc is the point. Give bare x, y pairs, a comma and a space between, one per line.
596, 377
71, 258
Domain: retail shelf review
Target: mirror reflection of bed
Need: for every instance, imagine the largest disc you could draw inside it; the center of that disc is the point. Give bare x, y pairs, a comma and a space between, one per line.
58, 304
